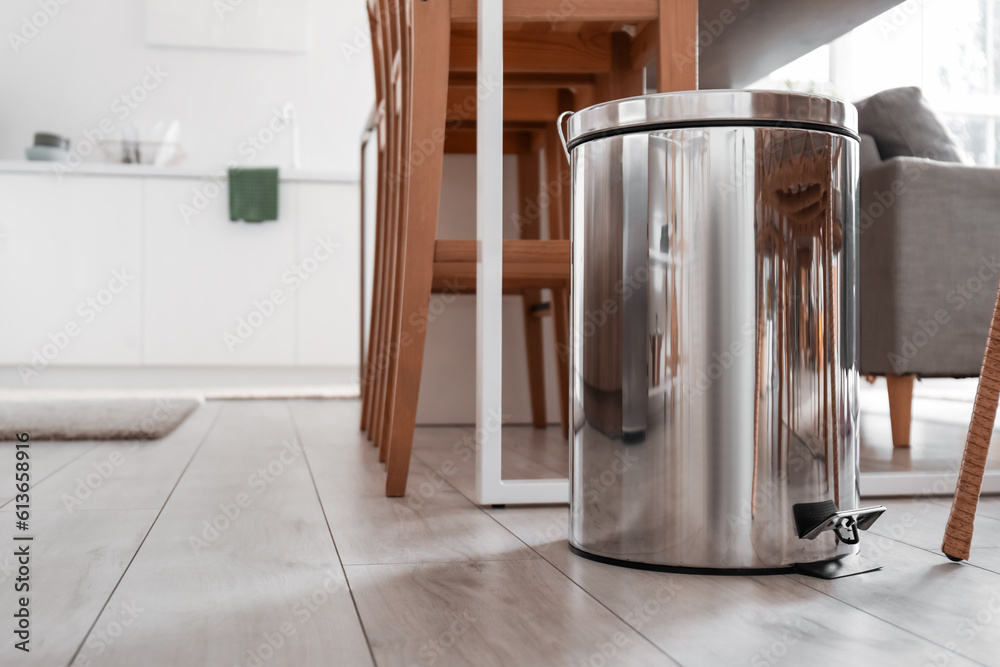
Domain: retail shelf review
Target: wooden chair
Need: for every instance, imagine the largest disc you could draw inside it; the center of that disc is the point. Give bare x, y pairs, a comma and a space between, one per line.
535, 100
529, 104
596, 41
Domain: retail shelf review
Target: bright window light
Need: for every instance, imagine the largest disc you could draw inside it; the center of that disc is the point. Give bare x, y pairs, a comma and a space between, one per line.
949, 48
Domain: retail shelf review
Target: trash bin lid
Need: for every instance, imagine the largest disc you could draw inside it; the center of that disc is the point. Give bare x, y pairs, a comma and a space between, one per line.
713, 108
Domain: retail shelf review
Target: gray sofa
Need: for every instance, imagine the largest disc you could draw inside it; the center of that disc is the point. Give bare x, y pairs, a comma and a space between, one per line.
929, 249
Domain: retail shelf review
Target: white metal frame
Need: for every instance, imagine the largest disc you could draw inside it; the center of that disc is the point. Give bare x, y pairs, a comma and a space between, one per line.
491, 488
879, 484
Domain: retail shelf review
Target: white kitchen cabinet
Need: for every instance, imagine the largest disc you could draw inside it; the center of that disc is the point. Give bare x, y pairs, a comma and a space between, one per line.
214, 289
70, 256
108, 253
327, 282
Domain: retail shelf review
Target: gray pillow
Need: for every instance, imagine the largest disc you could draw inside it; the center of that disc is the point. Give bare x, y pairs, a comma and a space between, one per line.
904, 126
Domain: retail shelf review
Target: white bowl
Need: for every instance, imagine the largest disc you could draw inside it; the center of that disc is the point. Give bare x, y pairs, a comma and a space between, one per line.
46, 153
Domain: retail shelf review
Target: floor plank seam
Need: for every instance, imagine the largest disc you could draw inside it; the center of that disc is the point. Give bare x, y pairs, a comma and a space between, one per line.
559, 474
938, 552
329, 529
73, 460
884, 620
94, 509
588, 593
979, 515
450, 562
556, 568
104, 606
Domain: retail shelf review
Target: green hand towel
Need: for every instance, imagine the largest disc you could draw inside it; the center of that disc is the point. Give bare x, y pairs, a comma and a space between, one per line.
253, 194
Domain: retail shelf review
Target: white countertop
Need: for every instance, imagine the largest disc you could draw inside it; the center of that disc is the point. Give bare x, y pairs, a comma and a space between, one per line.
153, 171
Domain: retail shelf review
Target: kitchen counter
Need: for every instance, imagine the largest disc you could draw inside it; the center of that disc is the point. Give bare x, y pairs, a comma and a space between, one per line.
147, 170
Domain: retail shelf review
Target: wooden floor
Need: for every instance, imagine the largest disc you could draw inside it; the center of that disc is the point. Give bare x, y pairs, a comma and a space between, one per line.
257, 534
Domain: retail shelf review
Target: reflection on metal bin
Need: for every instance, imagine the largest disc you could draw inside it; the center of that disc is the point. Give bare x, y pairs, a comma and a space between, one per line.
714, 332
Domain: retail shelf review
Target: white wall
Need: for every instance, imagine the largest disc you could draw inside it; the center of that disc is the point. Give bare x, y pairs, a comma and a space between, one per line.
67, 79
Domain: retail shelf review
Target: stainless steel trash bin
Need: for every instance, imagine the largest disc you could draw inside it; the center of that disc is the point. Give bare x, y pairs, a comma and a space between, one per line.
714, 331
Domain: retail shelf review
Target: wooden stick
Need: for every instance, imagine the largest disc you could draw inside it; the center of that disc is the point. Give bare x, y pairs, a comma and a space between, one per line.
958, 533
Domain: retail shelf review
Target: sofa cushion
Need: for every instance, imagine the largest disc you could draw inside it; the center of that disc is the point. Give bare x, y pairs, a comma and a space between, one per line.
903, 125
929, 264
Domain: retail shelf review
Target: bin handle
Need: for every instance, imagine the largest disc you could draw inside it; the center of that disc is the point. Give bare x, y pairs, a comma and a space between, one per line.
562, 135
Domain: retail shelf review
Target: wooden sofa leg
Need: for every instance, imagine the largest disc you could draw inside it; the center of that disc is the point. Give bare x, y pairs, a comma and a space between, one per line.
900, 402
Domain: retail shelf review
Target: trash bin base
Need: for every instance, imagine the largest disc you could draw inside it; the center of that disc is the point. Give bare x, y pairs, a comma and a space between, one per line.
750, 572
837, 568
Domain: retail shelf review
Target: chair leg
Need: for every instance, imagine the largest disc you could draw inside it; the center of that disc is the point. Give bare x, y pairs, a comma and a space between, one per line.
390, 311
372, 360
370, 370
363, 357
624, 79
677, 55
382, 348
558, 189
377, 367
957, 541
560, 324
534, 346
430, 49
394, 193
900, 402
528, 175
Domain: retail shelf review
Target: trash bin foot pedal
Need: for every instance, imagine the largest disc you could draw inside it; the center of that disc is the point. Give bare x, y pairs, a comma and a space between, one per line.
812, 519
845, 566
